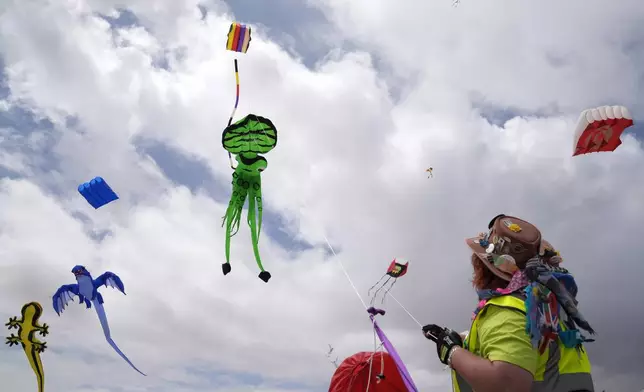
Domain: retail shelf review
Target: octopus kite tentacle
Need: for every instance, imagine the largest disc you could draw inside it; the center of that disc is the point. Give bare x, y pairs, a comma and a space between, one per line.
255, 221
247, 184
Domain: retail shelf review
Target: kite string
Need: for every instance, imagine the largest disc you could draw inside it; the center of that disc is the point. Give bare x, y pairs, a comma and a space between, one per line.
344, 270
375, 349
405, 309
356, 290
232, 115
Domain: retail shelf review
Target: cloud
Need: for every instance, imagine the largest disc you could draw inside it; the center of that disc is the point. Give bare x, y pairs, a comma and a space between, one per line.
488, 99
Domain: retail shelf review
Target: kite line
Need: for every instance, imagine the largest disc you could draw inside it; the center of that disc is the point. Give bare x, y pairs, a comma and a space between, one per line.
232, 115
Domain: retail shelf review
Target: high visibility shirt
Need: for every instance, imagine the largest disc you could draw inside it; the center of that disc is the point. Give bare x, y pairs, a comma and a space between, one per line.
498, 334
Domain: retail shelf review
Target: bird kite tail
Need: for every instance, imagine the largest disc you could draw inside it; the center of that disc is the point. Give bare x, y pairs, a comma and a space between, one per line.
102, 317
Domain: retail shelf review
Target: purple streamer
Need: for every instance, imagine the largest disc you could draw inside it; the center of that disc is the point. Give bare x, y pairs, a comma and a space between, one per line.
409, 383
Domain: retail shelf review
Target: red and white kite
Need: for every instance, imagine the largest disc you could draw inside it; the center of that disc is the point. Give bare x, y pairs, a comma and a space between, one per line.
599, 129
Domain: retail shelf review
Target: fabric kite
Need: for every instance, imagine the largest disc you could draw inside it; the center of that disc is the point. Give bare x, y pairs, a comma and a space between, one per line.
247, 138
238, 37
430, 171
396, 270
97, 192
238, 41
599, 129
87, 291
373, 371
28, 326
353, 374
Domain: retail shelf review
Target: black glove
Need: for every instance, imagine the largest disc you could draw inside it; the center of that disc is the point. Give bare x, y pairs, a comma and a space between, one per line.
445, 339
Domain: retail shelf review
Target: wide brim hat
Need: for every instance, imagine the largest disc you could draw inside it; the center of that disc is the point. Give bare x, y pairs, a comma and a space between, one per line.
509, 244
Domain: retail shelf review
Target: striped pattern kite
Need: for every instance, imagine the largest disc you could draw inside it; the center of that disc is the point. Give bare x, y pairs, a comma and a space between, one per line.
238, 38
238, 41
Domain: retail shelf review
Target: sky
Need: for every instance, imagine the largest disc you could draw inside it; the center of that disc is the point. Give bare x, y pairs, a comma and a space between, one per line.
365, 96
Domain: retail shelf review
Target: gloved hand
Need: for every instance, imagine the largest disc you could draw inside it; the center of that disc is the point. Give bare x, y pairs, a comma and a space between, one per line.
446, 340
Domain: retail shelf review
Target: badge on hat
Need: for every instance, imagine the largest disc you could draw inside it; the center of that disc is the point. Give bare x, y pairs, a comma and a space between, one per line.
505, 263
512, 226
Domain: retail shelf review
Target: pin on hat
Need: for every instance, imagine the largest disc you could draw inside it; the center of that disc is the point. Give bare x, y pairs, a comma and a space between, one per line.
508, 245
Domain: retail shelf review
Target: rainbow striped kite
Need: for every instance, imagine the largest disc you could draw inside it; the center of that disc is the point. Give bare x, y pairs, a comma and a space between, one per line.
238, 38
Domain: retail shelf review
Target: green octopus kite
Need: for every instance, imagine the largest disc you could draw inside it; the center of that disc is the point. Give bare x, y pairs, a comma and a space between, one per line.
247, 138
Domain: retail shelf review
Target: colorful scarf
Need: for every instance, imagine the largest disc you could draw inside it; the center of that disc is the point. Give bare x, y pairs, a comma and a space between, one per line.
549, 292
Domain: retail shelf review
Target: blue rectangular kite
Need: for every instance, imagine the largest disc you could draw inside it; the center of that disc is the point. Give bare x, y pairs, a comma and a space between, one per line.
97, 192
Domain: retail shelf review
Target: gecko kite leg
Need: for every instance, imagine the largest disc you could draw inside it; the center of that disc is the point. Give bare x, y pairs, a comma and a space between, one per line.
100, 311
233, 215
255, 203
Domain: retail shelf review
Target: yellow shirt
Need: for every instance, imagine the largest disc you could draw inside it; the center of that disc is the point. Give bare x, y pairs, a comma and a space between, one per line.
502, 337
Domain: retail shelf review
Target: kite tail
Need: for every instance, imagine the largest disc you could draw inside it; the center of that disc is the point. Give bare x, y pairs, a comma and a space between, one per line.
232, 221
257, 195
36, 365
228, 242
233, 215
100, 311
372, 287
41, 382
252, 222
235, 207
232, 115
388, 290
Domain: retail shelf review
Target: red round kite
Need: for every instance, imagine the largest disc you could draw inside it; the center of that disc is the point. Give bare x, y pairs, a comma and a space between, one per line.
599, 129
353, 374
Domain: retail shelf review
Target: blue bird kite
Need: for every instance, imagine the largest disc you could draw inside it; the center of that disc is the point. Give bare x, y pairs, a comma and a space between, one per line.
87, 290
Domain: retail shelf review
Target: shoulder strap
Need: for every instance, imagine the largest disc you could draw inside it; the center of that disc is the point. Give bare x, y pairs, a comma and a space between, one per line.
508, 301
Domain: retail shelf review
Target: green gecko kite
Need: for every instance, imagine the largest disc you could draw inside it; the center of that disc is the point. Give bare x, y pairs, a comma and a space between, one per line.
247, 138
27, 327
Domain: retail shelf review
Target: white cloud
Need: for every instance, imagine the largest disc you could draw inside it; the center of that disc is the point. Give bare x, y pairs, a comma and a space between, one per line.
349, 164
